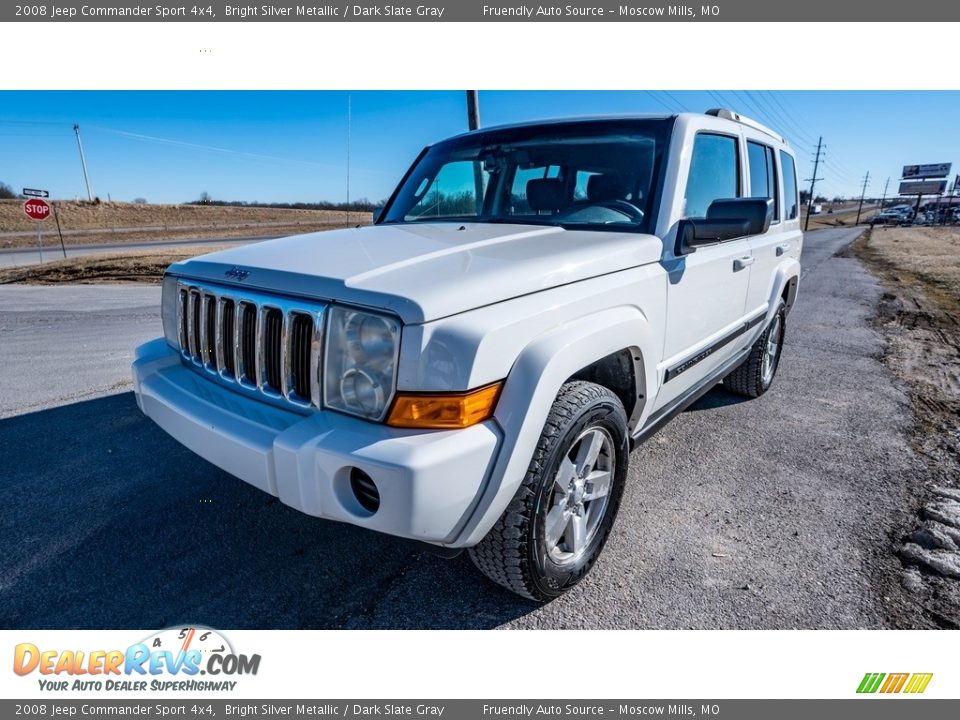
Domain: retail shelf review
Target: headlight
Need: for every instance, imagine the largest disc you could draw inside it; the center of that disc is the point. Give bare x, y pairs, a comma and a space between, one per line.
168, 310
360, 362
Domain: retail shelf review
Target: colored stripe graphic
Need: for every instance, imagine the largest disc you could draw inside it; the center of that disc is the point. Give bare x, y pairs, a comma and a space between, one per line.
894, 683
870, 682
918, 682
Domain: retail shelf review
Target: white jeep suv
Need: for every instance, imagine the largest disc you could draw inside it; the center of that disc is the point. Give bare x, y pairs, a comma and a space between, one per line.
473, 369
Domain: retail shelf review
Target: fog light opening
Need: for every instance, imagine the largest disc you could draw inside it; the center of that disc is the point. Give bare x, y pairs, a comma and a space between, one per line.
364, 490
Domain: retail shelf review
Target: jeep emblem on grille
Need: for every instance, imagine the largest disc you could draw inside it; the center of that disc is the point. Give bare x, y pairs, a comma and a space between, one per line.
237, 273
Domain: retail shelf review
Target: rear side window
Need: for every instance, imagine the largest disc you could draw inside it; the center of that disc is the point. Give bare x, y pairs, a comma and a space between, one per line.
714, 173
763, 174
791, 203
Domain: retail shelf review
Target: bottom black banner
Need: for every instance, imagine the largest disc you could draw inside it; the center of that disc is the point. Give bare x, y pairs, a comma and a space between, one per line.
869, 708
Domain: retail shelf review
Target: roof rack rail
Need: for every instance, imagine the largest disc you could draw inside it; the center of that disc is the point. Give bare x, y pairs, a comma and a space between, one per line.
744, 120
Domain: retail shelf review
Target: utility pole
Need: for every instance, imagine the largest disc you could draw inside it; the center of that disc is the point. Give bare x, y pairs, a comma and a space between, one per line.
473, 123
473, 109
83, 162
884, 200
863, 193
813, 182
349, 124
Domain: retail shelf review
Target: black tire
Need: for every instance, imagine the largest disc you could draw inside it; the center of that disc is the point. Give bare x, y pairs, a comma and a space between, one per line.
514, 553
748, 377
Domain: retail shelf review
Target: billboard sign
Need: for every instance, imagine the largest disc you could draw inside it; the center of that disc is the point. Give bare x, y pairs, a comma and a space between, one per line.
935, 170
923, 187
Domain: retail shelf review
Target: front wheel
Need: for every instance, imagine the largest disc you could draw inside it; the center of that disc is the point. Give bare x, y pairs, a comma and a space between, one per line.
754, 376
554, 529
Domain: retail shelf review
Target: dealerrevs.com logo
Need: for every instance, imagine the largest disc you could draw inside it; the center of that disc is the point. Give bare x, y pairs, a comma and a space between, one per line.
172, 659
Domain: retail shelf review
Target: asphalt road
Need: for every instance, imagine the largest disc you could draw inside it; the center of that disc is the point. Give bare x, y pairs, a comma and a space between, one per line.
779, 512
17, 257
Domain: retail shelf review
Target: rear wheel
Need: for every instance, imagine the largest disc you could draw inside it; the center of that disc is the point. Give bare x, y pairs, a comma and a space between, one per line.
754, 376
554, 529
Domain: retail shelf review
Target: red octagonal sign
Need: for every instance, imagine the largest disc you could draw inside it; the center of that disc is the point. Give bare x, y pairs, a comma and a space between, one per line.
37, 209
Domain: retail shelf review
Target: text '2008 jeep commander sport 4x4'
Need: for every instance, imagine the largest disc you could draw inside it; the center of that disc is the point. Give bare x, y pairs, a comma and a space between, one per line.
472, 370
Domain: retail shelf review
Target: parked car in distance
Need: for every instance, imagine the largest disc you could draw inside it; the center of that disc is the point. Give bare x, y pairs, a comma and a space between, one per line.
887, 217
473, 370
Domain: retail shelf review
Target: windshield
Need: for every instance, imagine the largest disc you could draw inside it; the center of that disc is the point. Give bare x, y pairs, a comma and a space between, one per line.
597, 175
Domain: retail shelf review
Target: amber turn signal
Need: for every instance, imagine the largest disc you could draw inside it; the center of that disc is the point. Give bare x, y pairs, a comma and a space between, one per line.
444, 411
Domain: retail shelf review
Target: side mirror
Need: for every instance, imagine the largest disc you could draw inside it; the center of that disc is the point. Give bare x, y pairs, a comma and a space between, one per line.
726, 220
377, 212
758, 212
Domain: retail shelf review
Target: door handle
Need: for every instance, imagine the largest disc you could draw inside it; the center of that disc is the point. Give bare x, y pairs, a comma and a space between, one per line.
781, 249
741, 263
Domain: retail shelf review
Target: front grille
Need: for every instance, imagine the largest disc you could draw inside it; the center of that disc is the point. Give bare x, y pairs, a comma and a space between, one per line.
261, 345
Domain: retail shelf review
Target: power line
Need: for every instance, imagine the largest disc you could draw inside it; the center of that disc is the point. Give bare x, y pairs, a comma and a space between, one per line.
798, 126
753, 109
212, 148
674, 99
657, 99
720, 101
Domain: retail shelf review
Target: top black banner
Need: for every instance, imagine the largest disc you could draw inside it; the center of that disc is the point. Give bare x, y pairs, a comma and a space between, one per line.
477, 11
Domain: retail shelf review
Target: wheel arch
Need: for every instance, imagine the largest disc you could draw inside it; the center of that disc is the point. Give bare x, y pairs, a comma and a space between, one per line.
596, 346
785, 284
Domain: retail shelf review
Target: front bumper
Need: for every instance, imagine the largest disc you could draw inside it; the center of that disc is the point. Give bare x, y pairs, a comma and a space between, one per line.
429, 481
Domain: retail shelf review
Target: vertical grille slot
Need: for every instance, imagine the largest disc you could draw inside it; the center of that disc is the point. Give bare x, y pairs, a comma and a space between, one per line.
227, 325
301, 341
182, 324
248, 339
273, 339
195, 325
209, 354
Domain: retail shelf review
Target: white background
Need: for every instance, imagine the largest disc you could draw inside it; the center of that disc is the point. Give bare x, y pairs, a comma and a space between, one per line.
511, 664
528, 56
540, 664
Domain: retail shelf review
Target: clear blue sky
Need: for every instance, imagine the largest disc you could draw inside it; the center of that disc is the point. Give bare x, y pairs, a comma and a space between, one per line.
292, 146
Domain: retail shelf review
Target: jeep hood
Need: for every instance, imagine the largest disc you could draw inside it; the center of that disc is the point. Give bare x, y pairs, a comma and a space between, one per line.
423, 272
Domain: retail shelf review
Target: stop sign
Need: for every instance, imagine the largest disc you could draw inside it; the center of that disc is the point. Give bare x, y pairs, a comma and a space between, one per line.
37, 209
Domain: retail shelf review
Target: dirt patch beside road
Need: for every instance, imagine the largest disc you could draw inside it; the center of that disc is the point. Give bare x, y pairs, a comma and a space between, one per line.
139, 267
84, 223
845, 216
920, 318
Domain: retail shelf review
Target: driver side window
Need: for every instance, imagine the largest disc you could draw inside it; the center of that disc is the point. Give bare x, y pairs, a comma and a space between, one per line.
714, 173
451, 193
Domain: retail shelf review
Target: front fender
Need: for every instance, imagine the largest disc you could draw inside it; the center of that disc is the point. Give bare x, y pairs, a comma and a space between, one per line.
532, 386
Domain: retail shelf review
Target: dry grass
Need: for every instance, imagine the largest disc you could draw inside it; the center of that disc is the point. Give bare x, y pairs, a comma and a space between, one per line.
931, 254
141, 267
920, 318
114, 222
